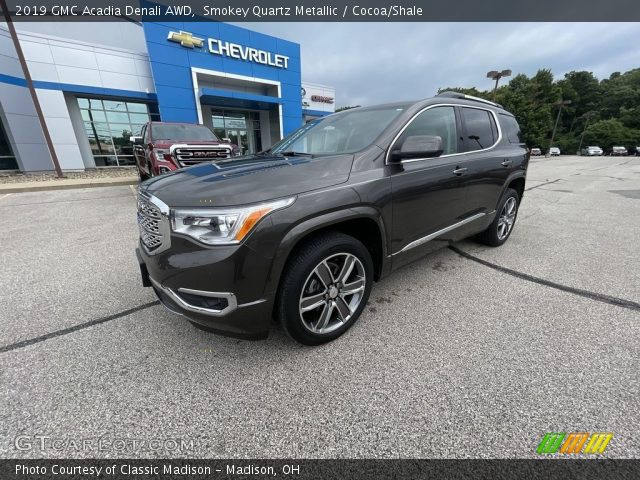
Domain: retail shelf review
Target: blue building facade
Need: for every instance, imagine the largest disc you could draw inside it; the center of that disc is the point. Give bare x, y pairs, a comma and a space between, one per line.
100, 83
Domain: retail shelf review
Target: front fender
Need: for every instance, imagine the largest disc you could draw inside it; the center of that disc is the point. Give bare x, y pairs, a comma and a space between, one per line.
316, 223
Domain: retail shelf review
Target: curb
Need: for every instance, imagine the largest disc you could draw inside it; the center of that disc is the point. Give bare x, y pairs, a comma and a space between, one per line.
35, 187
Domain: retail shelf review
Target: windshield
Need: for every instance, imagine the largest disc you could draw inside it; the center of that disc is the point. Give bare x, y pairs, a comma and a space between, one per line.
346, 132
183, 132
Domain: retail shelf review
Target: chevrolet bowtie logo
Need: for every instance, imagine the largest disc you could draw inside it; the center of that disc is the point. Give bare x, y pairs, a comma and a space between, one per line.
185, 39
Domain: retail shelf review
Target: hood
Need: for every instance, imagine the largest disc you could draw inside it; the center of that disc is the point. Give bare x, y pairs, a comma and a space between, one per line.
246, 180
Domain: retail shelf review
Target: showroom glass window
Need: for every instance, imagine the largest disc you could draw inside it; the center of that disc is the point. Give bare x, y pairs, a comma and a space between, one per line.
438, 121
480, 127
109, 125
7, 158
240, 127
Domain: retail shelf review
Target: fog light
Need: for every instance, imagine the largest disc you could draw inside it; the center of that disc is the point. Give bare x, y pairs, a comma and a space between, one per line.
211, 303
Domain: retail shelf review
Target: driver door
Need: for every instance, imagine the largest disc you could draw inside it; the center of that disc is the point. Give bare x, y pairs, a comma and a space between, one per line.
139, 151
429, 194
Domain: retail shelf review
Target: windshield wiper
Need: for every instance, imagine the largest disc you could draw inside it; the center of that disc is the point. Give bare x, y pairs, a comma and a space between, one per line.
295, 154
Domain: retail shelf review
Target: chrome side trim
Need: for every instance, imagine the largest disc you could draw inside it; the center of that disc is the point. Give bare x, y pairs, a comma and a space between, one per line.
495, 118
230, 297
433, 235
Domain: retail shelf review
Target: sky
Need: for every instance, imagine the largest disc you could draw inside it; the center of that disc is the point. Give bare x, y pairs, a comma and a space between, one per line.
371, 63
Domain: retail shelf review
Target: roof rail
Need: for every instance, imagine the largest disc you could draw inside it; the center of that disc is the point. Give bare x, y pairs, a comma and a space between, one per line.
462, 96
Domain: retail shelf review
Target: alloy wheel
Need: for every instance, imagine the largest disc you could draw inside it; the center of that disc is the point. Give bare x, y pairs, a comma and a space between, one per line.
507, 218
332, 293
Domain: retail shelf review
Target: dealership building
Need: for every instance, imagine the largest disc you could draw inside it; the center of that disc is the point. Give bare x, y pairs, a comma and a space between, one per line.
98, 83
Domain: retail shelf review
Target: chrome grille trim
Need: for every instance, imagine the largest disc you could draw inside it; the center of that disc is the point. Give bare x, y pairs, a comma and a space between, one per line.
153, 223
187, 155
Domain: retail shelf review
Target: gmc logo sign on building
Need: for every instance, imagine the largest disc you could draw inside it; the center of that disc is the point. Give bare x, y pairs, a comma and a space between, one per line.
320, 98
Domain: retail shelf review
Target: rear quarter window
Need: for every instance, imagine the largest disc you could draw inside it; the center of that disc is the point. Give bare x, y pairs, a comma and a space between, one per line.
511, 128
480, 129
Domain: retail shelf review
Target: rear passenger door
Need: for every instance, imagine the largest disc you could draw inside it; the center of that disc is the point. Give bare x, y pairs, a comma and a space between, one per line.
488, 167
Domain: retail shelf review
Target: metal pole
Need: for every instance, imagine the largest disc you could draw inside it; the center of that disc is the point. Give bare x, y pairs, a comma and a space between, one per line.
32, 90
584, 132
553, 135
495, 88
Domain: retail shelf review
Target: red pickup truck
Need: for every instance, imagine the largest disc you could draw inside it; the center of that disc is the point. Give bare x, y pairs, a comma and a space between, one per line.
164, 147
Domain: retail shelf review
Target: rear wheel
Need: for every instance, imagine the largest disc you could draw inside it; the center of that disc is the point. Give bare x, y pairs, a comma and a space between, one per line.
500, 229
324, 288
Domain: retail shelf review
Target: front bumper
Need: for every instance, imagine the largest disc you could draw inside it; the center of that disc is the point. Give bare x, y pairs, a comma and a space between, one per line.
212, 290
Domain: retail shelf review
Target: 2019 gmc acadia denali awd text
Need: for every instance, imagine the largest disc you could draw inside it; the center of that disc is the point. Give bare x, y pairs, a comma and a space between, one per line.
300, 232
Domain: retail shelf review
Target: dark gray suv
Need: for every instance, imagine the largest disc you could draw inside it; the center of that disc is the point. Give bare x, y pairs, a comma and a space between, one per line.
300, 232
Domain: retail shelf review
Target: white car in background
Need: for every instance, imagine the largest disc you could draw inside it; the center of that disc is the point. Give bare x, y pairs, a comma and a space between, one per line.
536, 151
592, 152
554, 151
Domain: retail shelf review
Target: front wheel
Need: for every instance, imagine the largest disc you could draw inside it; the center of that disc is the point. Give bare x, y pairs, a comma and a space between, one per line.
324, 288
498, 232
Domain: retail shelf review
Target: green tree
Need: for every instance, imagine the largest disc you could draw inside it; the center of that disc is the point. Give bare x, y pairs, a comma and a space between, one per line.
607, 133
593, 105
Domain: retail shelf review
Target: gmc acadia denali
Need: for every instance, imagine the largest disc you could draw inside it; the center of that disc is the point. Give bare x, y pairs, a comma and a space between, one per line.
301, 231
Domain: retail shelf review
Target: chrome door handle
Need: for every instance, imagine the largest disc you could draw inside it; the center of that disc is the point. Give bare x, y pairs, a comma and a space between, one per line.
506, 163
459, 171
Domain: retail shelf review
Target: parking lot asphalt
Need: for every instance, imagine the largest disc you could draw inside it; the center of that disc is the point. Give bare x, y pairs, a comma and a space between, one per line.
471, 352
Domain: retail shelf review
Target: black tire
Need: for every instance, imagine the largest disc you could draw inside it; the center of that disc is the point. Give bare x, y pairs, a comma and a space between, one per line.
301, 273
494, 235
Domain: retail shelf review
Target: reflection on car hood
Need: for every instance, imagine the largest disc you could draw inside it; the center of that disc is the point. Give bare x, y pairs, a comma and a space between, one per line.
246, 180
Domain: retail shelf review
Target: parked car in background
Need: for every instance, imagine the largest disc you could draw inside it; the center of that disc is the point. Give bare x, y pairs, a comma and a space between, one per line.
535, 152
592, 151
637, 151
164, 147
301, 231
619, 152
554, 151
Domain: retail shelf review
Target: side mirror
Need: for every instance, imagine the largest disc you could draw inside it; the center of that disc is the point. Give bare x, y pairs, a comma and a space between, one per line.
419, 146
136, 140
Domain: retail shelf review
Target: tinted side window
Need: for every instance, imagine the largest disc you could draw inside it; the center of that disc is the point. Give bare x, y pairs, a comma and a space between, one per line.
511, 128
439, 121
480, 128
144, 134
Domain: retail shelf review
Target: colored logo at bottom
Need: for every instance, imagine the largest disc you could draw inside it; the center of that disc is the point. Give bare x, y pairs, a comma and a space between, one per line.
574, 443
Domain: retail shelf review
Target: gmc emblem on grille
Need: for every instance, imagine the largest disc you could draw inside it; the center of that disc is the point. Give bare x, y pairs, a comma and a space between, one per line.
209, 154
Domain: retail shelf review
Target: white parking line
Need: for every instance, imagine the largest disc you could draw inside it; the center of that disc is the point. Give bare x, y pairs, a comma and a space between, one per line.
4, 196
134, 190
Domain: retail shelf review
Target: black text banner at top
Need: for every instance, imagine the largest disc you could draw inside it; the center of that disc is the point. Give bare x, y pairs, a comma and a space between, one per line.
328, 11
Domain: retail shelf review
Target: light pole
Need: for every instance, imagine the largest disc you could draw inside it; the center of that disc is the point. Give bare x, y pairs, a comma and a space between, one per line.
32, 90
495, 75
587, 116
560, 103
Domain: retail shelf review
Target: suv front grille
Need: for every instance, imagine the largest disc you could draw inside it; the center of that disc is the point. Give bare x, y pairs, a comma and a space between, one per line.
153, 222
187, 155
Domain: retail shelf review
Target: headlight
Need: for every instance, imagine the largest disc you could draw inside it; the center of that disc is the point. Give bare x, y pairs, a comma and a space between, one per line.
222, 226
161, 153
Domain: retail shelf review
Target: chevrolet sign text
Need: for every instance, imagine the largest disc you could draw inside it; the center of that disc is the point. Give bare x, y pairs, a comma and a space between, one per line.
249, 54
